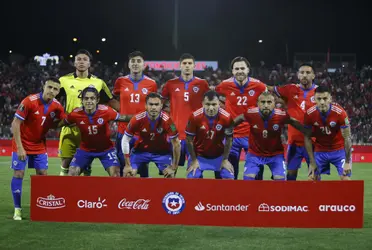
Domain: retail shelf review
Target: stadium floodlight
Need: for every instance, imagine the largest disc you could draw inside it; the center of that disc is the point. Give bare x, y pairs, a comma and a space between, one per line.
116, 63
74, 39
10, 51
71, 56
97, 51
260, 41
103, 39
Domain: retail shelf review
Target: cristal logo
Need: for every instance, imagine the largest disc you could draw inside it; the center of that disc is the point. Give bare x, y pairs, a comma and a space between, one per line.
266, 208
221, 208
199, 207
140, 204
337, 208
50, 202
92, 204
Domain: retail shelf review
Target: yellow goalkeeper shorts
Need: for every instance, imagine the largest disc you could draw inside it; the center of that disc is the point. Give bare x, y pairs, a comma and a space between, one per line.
69, 141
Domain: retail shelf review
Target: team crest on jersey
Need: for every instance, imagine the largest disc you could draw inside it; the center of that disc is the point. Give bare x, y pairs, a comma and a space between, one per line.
332, 124
276, 127
195, 89
160, 130
251, 92
144, 91
52, 114
100, 121
312, 99
218, 127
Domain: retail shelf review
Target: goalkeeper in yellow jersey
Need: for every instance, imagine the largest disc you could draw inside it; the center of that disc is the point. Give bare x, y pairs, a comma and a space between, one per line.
71, 87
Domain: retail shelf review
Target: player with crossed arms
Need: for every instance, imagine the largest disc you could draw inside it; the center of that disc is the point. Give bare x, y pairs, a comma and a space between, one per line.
132, 91
331, 129
93, 122
209, 139
298, 98
36, 114
154, 127
241, 92
265, 144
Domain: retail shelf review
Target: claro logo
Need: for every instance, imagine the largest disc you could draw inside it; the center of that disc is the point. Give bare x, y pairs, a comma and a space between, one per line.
337, 208
92, 204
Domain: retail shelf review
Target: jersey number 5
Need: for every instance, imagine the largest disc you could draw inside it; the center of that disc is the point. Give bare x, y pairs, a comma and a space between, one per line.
93, 130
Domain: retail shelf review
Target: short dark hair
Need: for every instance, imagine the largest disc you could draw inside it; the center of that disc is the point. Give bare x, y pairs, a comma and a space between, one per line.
322, 89
153, 95
240, 59
53, 79
187, 56
89, 89
84, 52
307, 65
266, 93
136, 53
210, 95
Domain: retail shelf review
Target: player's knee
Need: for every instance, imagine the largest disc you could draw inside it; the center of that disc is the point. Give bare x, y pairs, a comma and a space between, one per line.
74, 171
345, 178
41, 172
113, 171
249, 177
19, 174
279, 178
66, 162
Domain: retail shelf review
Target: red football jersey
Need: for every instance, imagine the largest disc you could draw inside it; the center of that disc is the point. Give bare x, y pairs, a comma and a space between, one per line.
184, 97
240, 98
326, 129
153, 135
132, 96
209, 132
264, 137
298, 101
95, 128
38, 117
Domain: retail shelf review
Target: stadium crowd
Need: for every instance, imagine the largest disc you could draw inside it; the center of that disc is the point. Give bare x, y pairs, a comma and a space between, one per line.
351, 89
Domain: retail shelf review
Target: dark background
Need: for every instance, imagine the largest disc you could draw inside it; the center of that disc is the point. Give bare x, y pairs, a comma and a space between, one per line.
211, 30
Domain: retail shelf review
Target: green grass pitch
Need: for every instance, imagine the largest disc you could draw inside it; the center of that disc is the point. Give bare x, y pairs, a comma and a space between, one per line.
41, 235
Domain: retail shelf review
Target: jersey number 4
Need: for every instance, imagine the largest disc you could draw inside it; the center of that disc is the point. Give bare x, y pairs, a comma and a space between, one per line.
242, 100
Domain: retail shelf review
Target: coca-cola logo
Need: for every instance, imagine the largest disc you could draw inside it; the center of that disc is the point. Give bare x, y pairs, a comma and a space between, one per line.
140, 204
50, 202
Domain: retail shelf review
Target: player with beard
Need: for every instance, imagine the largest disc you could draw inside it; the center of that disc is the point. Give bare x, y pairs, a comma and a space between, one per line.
132, 91
34, 117
71, 87
265, 144
298, 98
241, 92
331, 129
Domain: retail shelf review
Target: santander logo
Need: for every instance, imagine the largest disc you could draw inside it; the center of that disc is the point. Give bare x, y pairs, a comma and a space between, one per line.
140, 204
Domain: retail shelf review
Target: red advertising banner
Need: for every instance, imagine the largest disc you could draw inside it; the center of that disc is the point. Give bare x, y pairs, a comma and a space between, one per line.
302, 204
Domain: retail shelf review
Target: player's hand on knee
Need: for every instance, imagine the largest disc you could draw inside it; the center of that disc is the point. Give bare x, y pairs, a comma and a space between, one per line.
169, 172
128, 171
312, 172
193, 167
227, 165
21, 154
347, 169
